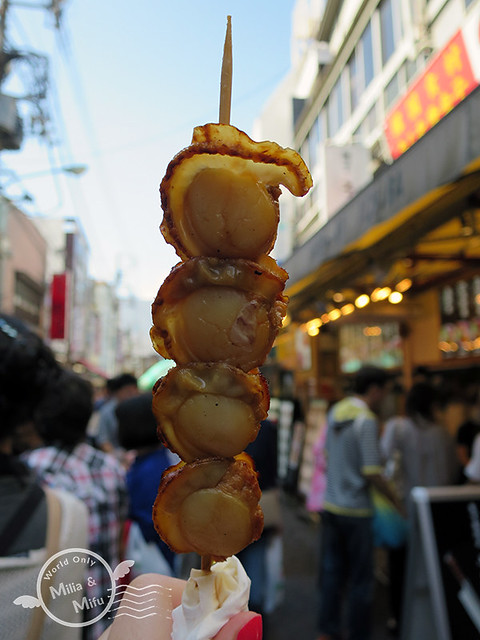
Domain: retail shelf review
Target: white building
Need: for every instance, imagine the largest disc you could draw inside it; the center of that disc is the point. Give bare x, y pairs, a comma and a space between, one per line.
358, 59
385, 102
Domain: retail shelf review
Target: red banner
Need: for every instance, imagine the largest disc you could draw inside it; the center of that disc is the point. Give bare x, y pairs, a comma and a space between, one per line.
59, 306
445, 82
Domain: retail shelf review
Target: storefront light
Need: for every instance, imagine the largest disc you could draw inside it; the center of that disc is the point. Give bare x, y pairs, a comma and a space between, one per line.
347, 309
314, 324
403, 285
380, 293
362, 301
372, 331
395, 297
334, 314
448, 347
313, 327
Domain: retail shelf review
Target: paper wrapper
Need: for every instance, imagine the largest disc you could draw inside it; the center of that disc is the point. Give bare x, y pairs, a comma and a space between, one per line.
210, 599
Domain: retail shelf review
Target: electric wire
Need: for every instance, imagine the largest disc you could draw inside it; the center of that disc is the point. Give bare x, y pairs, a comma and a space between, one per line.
112, 210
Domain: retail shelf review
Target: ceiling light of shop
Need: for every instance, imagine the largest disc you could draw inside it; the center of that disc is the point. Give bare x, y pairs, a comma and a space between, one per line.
347, 309
380, 293
362, 301
395, 297
313, 327
403, 285
335, 314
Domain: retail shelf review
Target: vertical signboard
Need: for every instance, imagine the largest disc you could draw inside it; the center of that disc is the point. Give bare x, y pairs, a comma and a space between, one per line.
59, 307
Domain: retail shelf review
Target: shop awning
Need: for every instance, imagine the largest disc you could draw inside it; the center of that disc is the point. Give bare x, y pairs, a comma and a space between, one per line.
423, 210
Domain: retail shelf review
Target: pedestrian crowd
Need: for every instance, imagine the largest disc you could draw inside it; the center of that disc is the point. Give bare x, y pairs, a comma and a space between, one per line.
432, 440
88, 468
79, 472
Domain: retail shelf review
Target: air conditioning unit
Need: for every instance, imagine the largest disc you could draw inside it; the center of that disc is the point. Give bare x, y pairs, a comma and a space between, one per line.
11, 126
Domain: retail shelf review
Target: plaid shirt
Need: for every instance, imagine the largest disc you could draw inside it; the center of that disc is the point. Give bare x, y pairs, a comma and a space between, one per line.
98, 480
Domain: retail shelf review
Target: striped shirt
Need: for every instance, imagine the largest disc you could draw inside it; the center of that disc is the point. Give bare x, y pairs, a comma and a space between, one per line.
98, 479
353, 453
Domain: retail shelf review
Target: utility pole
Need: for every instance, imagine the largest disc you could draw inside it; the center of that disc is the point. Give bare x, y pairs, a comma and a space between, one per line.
3, 29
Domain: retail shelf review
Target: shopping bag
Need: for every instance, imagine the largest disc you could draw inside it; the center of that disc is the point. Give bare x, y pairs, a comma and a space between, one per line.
389, 526
275, 578
147, 556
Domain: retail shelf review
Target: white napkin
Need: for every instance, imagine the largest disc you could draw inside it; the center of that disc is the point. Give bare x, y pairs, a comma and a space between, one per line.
210, 600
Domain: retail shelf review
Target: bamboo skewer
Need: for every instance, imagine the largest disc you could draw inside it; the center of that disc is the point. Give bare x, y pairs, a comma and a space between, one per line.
223, 118
206, 563
226, 77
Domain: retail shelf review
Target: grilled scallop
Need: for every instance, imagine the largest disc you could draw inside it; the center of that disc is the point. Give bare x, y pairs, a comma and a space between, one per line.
210, 507
218, 310
220, 194
209, 409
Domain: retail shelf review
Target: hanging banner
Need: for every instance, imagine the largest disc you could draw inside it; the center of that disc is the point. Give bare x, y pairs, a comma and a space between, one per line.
59, 307
452, 74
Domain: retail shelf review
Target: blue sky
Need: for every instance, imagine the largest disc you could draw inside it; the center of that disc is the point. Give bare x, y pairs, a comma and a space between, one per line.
136, 78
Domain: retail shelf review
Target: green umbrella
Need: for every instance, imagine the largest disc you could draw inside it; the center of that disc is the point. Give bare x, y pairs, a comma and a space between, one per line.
151, 375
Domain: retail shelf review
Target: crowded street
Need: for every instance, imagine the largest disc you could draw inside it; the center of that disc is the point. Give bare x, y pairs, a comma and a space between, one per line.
295, 616
240, 320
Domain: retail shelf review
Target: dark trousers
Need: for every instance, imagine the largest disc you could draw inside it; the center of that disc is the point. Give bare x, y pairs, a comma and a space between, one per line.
346, 571
397, 559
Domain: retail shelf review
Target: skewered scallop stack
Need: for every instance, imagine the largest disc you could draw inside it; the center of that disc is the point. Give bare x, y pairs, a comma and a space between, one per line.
217, 315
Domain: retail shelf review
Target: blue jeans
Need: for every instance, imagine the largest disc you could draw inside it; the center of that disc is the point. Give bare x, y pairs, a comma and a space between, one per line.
346, 568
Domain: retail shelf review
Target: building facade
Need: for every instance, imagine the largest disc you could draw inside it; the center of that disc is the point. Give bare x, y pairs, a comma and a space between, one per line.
23, 265
385, 252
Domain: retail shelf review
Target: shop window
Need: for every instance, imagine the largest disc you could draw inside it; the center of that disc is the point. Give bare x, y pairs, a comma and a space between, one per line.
410, 69
353, 80
367, 55
387, 31
335, 108
314, 138
28, 299
371, 120
391, 91
304, 151
378, 344
391, 27
460, 322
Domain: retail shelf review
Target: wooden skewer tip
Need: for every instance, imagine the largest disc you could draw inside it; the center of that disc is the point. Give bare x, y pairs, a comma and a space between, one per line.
206, 563
226, 77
